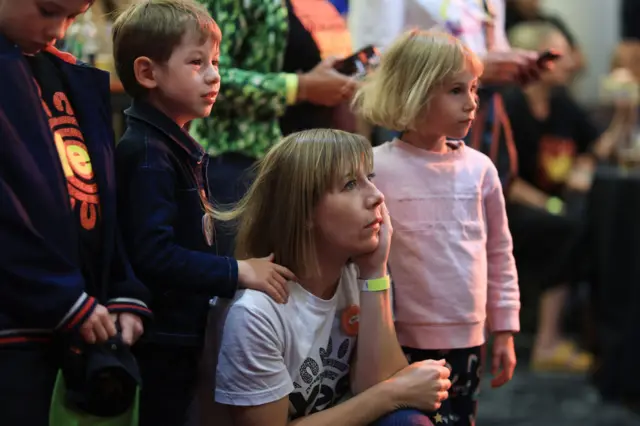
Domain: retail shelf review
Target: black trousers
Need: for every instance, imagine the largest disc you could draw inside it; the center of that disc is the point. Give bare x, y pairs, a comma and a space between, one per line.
466, 369
27, 378
548, 249
169, 380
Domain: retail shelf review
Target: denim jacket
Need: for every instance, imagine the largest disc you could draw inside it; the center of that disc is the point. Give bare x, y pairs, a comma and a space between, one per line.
161, 172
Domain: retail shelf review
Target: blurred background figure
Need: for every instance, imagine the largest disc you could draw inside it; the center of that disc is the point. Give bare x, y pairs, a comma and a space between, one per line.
557, 143
341, 5
630, 12
519, 11
627, 56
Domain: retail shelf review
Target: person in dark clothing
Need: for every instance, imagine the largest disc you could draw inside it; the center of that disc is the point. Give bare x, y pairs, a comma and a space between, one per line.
558, 146
629, 16
63, 270
518, 11
166, 55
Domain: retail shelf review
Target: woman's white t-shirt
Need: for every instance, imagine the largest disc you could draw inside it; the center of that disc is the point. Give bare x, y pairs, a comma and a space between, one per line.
301, 349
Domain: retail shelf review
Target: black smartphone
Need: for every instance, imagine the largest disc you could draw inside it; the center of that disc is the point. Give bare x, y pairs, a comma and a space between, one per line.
546, 57
360, 63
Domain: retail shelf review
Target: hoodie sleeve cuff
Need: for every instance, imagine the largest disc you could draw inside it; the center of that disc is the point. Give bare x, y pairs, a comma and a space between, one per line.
78, 314
133, 306
504, 319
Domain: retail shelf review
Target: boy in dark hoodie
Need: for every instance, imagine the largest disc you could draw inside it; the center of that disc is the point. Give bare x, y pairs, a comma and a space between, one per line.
62, 266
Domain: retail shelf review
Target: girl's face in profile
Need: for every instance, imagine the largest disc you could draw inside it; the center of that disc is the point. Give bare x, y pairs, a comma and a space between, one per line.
452, 108
348, 217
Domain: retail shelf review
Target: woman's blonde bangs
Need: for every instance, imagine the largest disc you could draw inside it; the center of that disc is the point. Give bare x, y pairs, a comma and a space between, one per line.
276, 213
316, 160
338, 156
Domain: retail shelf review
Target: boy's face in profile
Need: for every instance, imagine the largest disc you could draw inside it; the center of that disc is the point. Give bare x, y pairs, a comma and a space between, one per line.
188, 83
36, 24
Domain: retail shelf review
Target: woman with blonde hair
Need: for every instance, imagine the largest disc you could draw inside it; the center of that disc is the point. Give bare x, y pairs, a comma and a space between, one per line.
453, 271
314, 205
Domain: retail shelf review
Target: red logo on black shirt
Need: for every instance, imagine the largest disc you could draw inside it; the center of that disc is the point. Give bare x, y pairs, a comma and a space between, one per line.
74, 156
555, 161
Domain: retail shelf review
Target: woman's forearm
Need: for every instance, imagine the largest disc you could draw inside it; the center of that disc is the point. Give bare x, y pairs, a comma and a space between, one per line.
379, 353
361, 410
522, 192
619, 129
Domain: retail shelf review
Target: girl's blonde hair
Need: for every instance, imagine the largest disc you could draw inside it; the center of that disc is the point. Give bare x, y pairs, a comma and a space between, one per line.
418, 62
276, 214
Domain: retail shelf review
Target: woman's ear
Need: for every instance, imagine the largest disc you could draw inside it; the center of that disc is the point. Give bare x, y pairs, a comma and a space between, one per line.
144, 71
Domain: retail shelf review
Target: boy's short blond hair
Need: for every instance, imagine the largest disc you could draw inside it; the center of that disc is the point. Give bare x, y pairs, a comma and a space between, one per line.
154, 28
418, 62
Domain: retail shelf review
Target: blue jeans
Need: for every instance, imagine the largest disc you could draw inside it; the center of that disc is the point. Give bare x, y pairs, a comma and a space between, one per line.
407, 417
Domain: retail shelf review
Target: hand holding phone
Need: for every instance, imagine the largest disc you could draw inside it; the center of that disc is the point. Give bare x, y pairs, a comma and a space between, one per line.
543, 62
323, 85
547, 57
360, 63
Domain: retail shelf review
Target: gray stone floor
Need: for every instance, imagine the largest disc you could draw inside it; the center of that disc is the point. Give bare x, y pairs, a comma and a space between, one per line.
533, 399
548, 400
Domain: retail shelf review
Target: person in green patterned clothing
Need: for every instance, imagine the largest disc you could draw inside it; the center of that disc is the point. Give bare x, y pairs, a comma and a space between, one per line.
277, 69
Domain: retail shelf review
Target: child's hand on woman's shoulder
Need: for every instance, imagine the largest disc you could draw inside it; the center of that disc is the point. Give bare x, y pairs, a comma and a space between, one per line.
264, 275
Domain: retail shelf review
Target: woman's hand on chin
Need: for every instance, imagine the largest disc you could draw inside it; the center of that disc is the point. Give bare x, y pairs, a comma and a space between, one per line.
374, 264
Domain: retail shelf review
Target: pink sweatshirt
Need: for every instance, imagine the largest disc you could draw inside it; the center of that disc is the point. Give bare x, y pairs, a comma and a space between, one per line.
451, 254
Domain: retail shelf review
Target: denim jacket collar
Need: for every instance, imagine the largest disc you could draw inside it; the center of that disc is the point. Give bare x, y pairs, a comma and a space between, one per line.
144, 111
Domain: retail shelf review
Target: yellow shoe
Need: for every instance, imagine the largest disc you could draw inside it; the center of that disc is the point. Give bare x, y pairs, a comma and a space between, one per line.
566, 358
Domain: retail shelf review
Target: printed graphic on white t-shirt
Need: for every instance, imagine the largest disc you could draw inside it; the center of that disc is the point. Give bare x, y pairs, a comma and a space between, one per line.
300, 350
323, 378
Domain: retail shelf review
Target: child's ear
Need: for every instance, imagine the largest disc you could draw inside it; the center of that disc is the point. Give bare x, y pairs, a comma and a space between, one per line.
143, 69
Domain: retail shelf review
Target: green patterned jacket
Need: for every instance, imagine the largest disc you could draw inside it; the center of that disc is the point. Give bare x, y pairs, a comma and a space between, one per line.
253, 90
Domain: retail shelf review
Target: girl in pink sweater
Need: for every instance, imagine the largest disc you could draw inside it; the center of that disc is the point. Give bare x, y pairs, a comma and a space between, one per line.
451, 253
